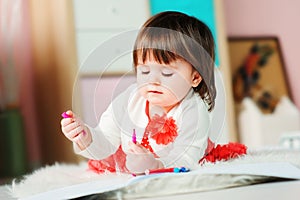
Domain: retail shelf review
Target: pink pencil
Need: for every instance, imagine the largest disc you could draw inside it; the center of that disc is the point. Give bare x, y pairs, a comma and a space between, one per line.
134, 136
65, 115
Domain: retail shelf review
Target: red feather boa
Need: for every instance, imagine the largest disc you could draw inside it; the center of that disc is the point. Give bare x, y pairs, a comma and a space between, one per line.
224, 152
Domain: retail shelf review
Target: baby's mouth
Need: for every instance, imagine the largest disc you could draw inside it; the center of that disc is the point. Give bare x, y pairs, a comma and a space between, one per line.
155, 92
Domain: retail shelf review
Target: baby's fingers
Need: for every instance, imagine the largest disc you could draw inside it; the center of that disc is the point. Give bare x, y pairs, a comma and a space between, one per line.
69, 126
137, 148
66, 121
73, 133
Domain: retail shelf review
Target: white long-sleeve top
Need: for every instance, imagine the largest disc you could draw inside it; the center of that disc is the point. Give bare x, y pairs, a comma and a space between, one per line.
127, 112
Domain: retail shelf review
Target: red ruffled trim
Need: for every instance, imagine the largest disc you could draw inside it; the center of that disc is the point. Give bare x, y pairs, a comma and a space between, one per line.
145, 143
224, 152
210, 146
162, 129
100, 166
110, 164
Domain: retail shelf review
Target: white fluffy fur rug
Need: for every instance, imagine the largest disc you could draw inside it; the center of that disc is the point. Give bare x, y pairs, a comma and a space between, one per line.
62, 175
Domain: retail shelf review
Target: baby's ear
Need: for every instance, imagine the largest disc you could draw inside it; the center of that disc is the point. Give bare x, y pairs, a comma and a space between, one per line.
196, 79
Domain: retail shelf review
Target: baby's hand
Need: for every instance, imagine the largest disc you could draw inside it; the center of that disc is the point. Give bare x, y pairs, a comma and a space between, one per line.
137, 148
74, 130
139, 159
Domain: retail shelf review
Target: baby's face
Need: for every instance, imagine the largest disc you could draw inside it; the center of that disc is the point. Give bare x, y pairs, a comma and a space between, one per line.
165, 85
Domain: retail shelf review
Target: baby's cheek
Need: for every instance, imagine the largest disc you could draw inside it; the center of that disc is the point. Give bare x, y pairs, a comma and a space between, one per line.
177, 88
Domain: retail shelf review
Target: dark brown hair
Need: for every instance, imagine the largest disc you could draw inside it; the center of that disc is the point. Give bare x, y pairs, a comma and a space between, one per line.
171, 35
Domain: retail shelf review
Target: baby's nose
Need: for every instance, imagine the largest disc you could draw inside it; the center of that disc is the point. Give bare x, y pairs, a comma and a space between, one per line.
154, 79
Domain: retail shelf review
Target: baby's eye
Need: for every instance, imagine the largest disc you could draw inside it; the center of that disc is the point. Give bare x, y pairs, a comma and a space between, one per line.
167, 72
144, 69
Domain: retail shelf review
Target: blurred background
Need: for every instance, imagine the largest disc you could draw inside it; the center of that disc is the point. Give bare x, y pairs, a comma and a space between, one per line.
43, 44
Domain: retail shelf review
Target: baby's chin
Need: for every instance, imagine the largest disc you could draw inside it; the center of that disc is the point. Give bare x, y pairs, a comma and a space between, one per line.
166, 106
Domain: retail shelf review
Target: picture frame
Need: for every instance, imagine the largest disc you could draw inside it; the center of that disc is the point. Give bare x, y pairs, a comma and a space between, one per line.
257, 71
